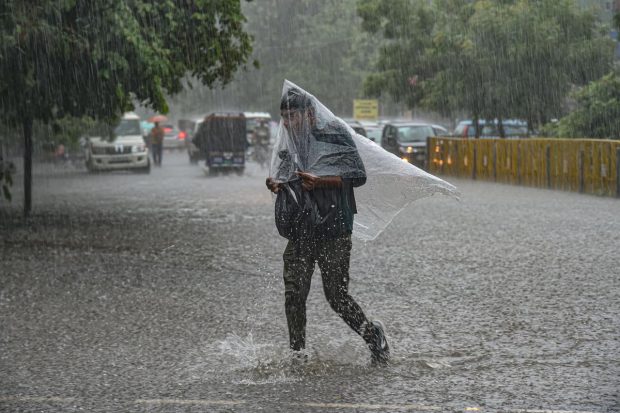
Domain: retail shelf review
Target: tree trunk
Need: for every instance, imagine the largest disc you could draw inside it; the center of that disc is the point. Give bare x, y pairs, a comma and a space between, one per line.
500, 127
27, 125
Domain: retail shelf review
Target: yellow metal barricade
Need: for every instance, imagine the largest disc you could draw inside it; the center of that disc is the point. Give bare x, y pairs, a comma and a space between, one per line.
583, 165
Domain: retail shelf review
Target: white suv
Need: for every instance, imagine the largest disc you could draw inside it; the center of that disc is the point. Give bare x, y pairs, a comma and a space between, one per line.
126, 151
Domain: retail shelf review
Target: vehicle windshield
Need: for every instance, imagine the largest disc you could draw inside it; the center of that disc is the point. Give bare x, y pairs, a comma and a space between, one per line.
252, 123
414, 133
128, 127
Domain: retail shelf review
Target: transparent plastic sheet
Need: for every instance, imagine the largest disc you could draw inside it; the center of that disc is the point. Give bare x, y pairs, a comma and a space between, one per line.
323, 144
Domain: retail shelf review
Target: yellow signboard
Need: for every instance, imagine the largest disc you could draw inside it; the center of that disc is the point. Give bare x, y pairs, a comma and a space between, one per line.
366, 109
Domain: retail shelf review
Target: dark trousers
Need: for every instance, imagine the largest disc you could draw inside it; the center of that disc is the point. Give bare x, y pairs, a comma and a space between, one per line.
333, 259
157, 149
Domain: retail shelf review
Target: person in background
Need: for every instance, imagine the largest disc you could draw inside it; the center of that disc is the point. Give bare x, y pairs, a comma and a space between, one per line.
156, 137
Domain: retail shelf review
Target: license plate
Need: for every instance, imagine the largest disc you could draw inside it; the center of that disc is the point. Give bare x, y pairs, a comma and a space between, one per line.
120, 159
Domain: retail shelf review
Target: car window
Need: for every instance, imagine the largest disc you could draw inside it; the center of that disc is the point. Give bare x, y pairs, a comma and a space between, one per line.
168, 129
414, 133
374, 134
489, 130
128, 127
388, 132
440, 131
460, 129
512, 130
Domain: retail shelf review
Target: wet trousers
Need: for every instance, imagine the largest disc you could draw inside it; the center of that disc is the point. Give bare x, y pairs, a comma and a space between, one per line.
333, 259
157, 150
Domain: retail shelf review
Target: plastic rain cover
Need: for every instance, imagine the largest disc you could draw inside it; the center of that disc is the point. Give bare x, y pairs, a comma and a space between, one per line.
324, 145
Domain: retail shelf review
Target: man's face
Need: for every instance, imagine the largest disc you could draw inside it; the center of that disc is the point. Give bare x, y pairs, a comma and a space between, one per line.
294, 121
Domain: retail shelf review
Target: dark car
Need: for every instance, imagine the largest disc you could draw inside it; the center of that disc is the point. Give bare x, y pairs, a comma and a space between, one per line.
407, 140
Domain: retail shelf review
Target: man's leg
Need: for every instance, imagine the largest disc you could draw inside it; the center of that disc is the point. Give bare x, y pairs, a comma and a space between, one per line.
157, 154
298, 269
333, 258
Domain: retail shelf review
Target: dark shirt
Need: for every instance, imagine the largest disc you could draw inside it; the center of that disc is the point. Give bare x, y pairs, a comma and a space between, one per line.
335, 207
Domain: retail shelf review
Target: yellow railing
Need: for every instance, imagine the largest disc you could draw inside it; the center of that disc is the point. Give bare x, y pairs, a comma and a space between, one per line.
583, 165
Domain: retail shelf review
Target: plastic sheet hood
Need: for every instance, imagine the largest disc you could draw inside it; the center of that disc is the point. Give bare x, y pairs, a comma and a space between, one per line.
312, 139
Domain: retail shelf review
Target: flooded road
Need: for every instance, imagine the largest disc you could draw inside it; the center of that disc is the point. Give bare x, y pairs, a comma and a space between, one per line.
164, 293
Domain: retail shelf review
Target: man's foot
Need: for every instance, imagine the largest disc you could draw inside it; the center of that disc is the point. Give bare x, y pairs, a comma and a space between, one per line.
377, 343
299, 357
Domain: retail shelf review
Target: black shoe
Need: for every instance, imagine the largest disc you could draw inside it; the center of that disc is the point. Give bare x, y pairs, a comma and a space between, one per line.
299, 357
377, 343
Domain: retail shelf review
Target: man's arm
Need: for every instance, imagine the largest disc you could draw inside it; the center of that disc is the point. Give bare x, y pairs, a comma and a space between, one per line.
310, 181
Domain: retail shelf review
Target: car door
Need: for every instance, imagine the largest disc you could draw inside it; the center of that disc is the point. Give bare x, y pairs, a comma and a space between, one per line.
389, 140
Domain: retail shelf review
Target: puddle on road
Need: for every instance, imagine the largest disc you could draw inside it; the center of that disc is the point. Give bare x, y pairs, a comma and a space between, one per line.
242, 360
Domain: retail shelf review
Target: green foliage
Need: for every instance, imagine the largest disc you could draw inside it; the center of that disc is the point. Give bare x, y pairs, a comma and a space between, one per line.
494, 59
93, 57
598, 112
317, 44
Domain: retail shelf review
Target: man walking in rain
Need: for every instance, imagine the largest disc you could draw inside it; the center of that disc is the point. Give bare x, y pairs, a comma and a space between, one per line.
315, 168
156, 136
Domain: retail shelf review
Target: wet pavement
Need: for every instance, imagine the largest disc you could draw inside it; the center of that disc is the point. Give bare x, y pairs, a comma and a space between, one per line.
163, 293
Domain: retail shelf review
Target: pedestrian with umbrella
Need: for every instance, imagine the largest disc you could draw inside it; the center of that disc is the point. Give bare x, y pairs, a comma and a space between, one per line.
156, 138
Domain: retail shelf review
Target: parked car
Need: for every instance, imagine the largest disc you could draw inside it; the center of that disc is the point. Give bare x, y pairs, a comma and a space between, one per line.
126, 150
374, 134
173, 138
489, 129
440, 130
407, 140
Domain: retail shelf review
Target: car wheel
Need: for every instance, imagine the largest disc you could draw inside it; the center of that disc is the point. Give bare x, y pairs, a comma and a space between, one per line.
146, 169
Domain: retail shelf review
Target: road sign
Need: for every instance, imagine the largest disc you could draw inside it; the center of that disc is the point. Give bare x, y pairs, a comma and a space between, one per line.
366, 109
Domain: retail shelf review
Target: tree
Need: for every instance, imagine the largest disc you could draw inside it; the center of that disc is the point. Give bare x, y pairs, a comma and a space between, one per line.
95, 57
598, 111
318, 44
494, 59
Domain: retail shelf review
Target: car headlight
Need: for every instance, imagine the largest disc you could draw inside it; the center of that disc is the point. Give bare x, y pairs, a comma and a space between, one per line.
138, 148
410, 149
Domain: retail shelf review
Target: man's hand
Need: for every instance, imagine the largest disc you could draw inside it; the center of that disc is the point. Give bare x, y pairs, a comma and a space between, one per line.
272, 185
310, 181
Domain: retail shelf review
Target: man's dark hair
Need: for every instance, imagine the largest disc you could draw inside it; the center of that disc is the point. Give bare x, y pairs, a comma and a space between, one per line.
295, 99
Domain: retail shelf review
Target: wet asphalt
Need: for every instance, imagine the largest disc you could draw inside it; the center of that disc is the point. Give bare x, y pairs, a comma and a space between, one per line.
162, 293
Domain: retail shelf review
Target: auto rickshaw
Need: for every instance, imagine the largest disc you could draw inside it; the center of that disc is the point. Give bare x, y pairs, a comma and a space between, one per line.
222, 140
